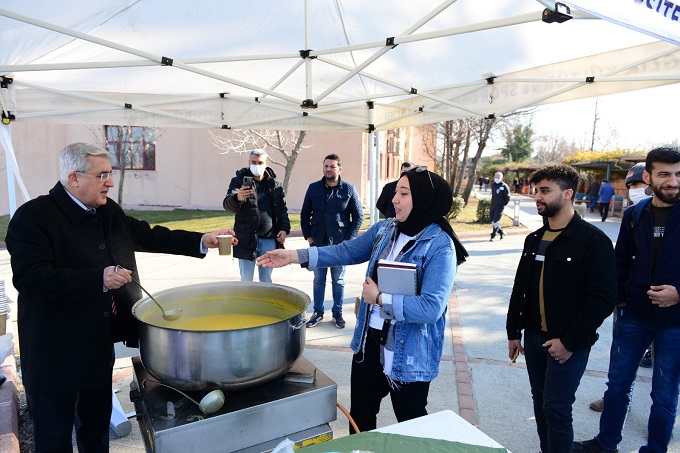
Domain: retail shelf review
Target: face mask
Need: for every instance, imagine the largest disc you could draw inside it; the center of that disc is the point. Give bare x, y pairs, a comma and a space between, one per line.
257, 170
636, 195
497, 180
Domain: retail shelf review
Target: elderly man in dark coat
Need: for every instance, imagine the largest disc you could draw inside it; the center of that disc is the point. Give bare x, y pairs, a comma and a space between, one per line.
74, 303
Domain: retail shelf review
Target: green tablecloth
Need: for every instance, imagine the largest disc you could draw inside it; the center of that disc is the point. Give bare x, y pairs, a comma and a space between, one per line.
394, 443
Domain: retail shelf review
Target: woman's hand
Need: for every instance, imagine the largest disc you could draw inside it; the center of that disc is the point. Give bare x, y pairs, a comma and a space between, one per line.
370, 292
278, 258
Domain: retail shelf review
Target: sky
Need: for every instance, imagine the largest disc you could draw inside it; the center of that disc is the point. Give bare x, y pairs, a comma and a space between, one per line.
635, 120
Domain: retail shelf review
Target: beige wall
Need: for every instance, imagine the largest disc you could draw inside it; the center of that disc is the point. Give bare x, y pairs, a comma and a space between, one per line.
191, 172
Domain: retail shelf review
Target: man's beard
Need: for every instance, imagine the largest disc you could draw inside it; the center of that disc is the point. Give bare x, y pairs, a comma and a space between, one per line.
658, 192
550, 210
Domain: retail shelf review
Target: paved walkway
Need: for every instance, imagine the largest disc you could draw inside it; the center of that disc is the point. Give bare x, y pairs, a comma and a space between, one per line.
476, 379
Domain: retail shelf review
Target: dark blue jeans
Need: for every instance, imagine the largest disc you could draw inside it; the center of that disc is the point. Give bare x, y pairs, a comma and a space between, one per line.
630, 339
553, 389
338, 282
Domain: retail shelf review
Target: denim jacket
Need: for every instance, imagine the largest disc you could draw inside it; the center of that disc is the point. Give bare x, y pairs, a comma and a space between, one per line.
420, 319
331, 213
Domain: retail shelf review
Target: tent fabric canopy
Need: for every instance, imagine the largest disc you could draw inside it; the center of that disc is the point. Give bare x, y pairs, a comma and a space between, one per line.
309, 65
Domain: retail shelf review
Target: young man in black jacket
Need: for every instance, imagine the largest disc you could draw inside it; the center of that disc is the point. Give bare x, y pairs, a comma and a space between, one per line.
648, 309
564, 289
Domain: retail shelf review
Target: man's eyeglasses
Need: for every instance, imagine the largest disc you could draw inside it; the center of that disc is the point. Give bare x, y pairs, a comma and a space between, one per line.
103, 176
420, 169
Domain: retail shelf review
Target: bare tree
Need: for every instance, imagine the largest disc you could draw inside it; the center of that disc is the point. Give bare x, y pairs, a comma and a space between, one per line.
481, 128
123, 144
287, 143
554, 148
443, 142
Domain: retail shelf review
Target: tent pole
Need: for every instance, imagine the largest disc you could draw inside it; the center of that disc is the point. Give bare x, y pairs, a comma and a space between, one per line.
374, 159
12, 169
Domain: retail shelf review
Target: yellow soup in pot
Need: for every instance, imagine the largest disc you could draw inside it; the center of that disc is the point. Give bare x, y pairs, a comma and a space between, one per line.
214, 313
222, 322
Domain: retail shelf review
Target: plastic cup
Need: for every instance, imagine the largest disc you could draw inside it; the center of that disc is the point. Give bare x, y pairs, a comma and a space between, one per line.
224, 243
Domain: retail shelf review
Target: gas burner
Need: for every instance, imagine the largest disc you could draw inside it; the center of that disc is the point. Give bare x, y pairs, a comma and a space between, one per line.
251, 421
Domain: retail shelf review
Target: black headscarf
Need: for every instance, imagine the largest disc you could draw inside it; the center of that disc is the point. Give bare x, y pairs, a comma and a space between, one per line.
432, 198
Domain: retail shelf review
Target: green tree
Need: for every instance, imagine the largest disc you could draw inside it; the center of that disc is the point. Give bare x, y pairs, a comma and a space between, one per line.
518, 143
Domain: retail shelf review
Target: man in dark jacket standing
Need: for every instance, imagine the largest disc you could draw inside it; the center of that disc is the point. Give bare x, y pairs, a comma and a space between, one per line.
605, 197
261, 222
331, 213
500, 196
648, 308
384, 203
593, 192
74, 302
565, 287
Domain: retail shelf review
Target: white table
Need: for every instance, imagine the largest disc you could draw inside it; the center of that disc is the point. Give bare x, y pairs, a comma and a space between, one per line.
444, 425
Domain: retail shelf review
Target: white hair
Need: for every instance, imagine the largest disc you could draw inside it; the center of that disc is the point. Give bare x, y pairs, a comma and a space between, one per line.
74, 158
260, 153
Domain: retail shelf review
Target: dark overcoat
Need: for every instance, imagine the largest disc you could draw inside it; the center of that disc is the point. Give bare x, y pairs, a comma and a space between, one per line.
58, 255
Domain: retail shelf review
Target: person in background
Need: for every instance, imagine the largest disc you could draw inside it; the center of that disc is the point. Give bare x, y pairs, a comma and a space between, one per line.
605, 197
74, 301
384, 203
398, 339
261, 222
593, 192
500, 196
648, 309
515, 184
480, 181
637, 188
559, 319
331, 214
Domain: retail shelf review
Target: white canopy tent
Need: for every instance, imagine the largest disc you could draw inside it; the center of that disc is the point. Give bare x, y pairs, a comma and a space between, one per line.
315, 65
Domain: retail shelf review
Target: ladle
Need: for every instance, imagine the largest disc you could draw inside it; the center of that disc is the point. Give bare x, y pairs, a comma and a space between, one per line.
170, 315
210, 403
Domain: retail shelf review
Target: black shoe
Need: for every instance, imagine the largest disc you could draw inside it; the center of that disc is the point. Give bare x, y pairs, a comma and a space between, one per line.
589, 446
646, 361
316, 318
339, 321
501, 233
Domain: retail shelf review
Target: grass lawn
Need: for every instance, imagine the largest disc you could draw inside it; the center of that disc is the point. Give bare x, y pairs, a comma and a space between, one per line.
205, 221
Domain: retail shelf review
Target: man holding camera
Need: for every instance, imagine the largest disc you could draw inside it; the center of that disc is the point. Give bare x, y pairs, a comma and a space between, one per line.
261, 222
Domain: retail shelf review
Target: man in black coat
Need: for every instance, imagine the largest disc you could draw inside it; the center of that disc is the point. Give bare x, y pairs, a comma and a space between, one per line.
565, 287
261, 222
500, 196
73, 305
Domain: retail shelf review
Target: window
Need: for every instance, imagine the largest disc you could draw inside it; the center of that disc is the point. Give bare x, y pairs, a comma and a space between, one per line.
132, 147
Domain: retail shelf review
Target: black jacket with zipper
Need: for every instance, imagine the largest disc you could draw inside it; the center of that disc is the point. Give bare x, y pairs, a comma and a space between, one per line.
247, 219
579, 284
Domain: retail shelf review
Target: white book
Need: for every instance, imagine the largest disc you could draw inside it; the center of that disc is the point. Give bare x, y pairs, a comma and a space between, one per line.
395, 277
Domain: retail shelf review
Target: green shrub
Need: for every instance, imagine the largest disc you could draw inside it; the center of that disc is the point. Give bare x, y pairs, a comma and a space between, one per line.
456, 208
484, 211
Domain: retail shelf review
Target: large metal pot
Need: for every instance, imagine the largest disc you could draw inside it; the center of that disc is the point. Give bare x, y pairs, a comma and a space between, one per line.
230, 359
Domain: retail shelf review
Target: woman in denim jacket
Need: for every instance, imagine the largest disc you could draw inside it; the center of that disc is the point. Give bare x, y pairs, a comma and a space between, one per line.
399, 355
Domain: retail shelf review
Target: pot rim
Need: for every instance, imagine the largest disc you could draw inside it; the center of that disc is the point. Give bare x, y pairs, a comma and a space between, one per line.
248, 286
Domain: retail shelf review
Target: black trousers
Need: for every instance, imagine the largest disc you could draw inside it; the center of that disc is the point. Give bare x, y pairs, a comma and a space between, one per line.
54, 417
604, 210
369, 385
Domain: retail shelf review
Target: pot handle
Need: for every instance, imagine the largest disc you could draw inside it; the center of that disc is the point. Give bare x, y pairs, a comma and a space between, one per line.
299, 325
